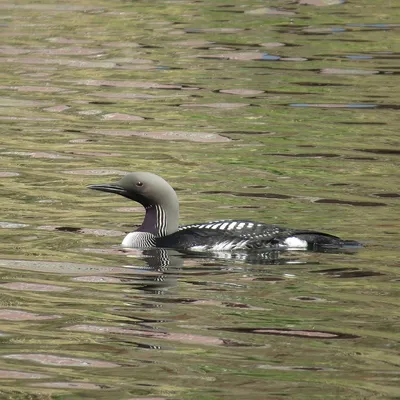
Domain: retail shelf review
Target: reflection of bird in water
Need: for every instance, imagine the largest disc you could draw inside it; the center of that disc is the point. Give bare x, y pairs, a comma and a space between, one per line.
160, 272
160, 226
164, 267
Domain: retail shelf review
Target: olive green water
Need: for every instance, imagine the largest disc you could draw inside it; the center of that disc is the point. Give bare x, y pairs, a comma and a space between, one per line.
272, 111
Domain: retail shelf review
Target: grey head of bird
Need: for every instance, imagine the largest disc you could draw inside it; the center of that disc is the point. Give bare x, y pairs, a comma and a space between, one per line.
151, 191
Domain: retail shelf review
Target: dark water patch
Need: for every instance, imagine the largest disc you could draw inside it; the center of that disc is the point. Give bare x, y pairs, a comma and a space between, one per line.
149, 46
77, 131
348, 28
257, 186
233, 45
361, 123
321, 3
320, 31
94, 154
143, 322
363, 106
306, 155
386, 195
375, 96
321, 84
83, 140
309, 334
66, 229
347, 273
248, 132
101, 102
381, 151
250, 56
239, 207
284, 92
20, 315
360, 158
389, 106
60, 361
309, 299
350, 203
210, 286
228, 11
294, 368
268, 279
320, 155
249, 194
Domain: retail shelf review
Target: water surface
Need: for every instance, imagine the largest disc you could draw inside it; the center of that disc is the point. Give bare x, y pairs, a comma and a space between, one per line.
285, 112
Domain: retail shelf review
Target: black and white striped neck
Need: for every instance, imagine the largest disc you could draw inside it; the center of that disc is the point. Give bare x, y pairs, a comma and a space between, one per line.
155, 221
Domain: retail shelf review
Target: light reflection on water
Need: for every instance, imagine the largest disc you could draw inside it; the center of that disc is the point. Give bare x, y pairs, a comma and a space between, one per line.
283, 115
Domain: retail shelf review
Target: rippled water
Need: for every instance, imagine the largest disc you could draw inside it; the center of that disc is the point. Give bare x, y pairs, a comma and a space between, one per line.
285, 112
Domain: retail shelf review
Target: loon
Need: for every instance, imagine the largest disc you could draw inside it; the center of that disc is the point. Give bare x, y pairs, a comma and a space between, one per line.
160, 227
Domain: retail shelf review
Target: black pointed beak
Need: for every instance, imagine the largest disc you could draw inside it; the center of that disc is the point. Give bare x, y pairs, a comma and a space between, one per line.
109, 188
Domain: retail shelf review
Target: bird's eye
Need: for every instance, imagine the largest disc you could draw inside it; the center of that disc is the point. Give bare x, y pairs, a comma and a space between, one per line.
139, 183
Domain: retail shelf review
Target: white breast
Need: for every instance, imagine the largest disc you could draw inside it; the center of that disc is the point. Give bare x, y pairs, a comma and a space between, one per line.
138, 240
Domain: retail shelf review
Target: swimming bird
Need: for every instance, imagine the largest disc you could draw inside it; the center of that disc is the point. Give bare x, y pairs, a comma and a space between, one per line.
160, 227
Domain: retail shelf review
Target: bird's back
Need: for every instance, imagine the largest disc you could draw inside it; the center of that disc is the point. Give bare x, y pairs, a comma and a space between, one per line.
225, 235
